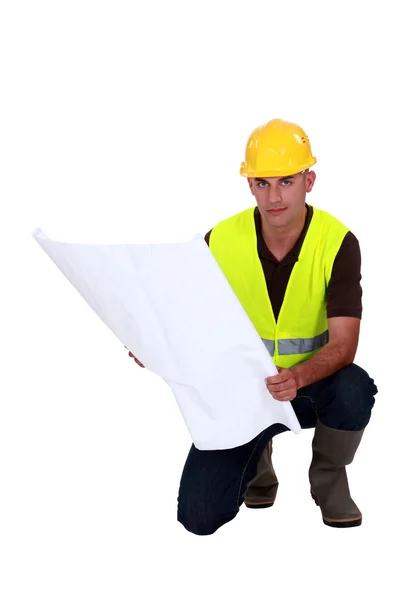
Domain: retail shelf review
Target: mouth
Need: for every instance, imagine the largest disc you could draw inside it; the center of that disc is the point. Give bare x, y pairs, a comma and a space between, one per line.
276, 211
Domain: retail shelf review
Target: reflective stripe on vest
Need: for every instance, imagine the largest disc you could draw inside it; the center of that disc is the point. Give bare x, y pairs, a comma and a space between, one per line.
297, 345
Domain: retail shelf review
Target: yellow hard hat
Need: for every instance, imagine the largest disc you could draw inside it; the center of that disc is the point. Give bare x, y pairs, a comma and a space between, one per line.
277, 149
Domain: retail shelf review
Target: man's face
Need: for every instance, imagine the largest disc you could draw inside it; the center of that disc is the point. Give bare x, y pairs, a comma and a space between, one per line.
281, 200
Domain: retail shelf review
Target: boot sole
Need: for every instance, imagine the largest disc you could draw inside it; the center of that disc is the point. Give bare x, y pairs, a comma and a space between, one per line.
260, 505
338, 523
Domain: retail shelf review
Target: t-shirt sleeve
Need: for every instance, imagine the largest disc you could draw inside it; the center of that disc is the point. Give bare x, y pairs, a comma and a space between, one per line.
344, 294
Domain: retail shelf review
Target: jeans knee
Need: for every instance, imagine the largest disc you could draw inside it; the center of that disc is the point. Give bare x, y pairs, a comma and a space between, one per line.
197, 526
354, 392
201, 522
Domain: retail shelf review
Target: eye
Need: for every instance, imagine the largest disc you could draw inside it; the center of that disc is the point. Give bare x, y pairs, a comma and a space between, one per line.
262, 184
286, 183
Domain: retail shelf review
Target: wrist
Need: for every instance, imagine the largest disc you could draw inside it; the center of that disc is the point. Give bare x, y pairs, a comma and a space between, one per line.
297, 376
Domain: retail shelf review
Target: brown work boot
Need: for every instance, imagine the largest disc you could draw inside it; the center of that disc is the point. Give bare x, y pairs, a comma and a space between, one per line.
333, 449
261, 491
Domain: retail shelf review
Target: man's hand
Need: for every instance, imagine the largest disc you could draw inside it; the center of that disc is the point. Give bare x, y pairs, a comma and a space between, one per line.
137, 361
282, 386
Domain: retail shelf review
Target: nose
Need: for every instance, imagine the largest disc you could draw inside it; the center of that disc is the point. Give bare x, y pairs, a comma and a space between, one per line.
275, 195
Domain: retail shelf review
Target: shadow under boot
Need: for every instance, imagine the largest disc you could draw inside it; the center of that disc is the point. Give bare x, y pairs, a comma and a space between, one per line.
261, 491
333, 450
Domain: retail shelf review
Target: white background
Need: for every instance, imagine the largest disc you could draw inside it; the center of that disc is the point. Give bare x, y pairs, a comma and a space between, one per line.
127, 121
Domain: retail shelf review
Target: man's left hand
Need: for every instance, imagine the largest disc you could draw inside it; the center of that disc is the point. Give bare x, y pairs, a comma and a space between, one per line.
282, 386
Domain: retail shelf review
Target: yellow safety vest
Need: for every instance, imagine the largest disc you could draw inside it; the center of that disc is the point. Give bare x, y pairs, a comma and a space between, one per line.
302, 326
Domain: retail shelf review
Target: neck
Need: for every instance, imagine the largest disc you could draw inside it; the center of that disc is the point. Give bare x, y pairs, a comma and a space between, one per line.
282, 239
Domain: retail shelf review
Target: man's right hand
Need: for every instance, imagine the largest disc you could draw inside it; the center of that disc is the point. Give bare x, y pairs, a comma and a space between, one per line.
137, 361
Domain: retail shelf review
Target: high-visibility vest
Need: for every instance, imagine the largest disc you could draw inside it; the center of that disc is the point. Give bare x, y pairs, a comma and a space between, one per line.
302, 325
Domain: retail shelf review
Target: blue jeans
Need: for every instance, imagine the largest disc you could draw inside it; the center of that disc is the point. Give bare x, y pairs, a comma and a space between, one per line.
213, 481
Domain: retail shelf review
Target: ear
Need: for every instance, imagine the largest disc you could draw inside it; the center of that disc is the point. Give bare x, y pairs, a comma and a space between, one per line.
310, 180
251, 183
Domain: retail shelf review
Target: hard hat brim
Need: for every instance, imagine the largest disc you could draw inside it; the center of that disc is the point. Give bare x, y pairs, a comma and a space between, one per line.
276, 172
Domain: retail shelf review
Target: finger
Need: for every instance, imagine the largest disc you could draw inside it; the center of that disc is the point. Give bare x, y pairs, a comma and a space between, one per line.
285, 396
285, 375
278, 387
277, 384
282, 389
288, 394
275, 379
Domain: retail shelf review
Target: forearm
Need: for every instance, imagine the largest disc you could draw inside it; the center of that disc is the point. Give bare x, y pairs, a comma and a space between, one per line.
333, 356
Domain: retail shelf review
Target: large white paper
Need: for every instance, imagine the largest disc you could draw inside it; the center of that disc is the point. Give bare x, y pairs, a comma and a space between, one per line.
173, 307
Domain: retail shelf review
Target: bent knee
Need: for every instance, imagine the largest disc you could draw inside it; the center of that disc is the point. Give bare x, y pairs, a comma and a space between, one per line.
202, 522
355, 382
197, 526
354, 396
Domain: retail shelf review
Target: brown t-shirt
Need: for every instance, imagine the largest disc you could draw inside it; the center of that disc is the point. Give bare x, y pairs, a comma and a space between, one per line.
344, 290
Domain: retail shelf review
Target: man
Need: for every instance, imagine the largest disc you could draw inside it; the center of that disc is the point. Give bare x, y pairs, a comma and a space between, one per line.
296, 271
